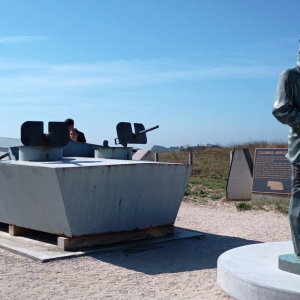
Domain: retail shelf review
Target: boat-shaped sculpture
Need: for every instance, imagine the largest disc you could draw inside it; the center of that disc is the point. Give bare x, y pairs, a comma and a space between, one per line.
53, 185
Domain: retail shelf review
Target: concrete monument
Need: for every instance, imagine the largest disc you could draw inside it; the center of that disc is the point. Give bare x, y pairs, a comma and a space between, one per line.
287, 111
88, 195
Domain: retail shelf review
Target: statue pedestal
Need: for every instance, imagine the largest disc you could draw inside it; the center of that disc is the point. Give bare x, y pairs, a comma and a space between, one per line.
289, 263
251, 272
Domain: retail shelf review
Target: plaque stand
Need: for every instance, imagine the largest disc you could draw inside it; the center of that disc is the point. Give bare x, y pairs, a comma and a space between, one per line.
240, 176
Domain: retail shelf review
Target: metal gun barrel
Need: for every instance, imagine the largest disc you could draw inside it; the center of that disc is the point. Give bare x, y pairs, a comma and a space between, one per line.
4, 155
147, 130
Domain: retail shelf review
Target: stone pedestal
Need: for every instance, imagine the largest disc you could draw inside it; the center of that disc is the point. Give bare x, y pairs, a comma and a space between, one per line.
251, 272
289, 263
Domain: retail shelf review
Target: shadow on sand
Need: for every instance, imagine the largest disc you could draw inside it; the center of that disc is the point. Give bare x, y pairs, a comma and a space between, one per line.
176, 256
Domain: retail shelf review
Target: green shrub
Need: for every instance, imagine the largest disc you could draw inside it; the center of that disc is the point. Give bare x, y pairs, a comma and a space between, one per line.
215, 197
281, 208
187, 192
202, 193
243, 206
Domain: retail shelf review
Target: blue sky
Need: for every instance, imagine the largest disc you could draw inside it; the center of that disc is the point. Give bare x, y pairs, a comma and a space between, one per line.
205, 71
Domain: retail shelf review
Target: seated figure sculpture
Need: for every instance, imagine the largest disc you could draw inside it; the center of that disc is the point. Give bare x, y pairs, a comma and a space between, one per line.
287, 110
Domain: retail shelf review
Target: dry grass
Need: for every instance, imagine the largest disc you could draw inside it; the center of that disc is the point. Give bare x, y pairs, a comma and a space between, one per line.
214, 162
207, 184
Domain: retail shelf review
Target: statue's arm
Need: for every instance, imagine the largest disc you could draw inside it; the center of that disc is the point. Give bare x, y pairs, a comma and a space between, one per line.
284, 109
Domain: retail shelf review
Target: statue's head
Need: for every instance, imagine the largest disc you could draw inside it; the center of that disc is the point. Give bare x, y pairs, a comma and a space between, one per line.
298, 60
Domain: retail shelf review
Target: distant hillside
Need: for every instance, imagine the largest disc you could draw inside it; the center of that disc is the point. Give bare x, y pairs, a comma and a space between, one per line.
159, 149
162, 149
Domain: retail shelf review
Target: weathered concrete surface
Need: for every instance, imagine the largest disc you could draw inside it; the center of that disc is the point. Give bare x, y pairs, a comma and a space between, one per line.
270, 198
251, 272
142, 154
240, 176
114, 153
76, 243
85, 196
42, 247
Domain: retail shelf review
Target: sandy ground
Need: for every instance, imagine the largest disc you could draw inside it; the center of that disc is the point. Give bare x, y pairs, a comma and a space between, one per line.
183, 269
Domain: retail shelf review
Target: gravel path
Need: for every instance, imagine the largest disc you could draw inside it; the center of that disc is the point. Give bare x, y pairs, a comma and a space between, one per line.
184, 269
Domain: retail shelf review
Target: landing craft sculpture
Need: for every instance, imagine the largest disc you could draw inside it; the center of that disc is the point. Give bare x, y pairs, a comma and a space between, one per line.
72, 189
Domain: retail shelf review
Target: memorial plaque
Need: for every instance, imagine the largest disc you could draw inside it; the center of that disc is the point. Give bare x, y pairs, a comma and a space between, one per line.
272, 171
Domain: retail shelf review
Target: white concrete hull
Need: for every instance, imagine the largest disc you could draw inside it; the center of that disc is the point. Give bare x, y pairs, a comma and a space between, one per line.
85, 196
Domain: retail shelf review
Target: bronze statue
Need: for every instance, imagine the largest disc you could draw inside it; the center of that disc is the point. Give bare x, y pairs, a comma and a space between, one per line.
287, 111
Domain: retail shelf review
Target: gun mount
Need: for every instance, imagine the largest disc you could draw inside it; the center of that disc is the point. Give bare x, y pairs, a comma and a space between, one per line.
39, 146
32, 134
126, 136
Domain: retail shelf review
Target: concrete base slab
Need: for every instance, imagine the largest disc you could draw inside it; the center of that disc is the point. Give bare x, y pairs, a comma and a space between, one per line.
289, 263
42, 247
251, 272
78, 243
